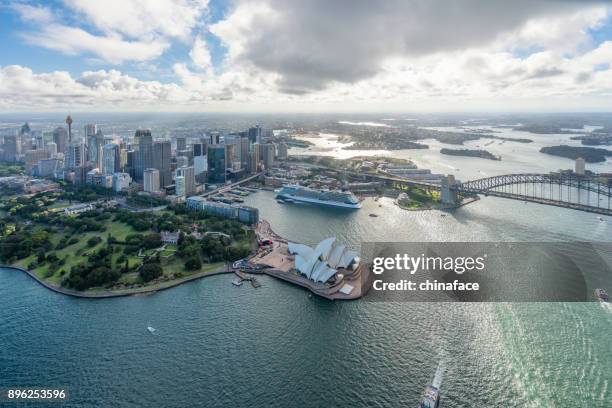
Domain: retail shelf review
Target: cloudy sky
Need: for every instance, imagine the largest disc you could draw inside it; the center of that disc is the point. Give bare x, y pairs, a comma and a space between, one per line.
306, 55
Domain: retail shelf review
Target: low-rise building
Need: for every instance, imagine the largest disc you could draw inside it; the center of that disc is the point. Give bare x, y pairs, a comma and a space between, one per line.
242, 213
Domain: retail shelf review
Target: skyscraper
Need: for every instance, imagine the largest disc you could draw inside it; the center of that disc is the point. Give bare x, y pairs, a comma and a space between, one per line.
60, 137
255, 134
199, 149
95, 142
144, 157
111, 162
267, 155
282, 151
179, 184
151, 180
216, 164
188, 175
12, 148
75, 155
162, 155
181, 143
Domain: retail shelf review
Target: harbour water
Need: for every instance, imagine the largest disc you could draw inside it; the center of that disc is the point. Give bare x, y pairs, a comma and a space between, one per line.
217, 345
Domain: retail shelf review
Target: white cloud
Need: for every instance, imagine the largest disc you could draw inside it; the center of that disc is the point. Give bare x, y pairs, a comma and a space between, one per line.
142, 18
199, 53
112, 48
128, 30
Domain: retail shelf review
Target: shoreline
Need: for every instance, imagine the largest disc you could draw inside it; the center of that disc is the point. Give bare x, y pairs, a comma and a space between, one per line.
107, 294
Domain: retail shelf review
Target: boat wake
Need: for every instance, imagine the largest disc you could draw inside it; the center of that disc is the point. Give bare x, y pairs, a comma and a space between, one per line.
606, 306
439, 376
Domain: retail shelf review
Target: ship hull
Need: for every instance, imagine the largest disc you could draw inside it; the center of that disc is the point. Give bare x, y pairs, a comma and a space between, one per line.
314, 201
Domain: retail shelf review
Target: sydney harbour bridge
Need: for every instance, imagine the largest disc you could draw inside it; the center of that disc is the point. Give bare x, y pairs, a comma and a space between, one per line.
590, 193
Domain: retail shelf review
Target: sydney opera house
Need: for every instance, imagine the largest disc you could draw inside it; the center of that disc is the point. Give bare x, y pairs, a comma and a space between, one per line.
328, 261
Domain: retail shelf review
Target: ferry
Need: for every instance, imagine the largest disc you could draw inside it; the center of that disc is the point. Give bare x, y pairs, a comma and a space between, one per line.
602, 295
306, 195
430, 398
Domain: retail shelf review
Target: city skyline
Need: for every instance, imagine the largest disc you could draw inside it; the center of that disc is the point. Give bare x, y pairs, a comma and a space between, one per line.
290, 56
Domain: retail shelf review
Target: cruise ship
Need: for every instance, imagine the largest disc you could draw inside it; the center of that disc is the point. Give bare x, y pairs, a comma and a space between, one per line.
332, 198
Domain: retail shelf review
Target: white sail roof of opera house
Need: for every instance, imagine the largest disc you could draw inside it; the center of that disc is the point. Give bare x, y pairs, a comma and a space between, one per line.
322, 262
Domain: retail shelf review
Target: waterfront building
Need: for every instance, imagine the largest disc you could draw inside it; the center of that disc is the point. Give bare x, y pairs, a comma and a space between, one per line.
60, 138
162, 156
151, 180
266, 154
111, 162
242, 213
121, 181
323, 262
282, 151
216, 164
580, 166
244, 152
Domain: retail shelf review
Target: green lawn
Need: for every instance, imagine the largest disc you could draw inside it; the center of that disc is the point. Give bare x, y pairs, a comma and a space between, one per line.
76, 253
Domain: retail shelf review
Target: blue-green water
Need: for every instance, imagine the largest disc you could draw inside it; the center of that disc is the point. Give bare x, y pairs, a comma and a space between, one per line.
217, 345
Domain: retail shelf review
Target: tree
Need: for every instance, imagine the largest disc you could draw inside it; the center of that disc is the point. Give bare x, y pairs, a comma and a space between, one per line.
150, 271
151, 241
93, 241
193, 264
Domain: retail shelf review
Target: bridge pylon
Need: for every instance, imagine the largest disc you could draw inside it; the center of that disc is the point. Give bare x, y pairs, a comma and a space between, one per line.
448, 196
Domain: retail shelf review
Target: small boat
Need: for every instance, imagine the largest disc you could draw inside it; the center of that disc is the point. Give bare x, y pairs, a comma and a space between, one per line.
150, 329
602, 295
442, 215
430, 398
600, 218
380, 205
280, 201
237, 282
373, 215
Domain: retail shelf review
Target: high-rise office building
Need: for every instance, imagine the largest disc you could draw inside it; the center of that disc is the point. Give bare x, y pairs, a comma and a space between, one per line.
33, 156
282, 151
181, 143
75, 155
90, 130
214, 138
95, 143
200, 164
51, 147
216, 164
60, 138
199, 149
179, 184
111, 162
48, 167
255, 134
230, 155
144, 157
182, 161
162, 156
254, 158
188, 175
267, 155
121, 181
151, 180
12, 148
244, 152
